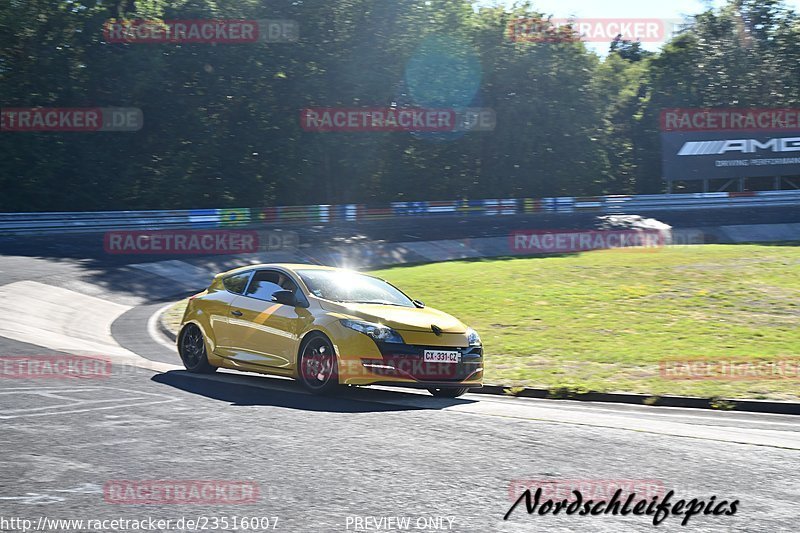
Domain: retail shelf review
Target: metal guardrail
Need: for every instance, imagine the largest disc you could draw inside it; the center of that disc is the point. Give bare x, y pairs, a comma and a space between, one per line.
100, 221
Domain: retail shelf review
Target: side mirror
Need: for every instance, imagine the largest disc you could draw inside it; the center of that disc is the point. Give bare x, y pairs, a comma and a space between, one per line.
285, 298
418, 304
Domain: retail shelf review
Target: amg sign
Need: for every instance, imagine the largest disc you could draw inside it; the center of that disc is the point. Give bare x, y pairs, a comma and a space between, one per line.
727, 142
708, 155
744, 146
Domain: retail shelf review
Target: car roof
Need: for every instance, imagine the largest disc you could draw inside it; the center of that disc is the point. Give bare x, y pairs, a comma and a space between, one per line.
287, 266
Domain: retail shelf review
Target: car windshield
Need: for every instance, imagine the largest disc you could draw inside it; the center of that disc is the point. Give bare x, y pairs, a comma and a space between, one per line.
352, 287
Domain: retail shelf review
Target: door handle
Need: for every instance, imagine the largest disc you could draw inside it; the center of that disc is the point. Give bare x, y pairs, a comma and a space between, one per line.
236, 313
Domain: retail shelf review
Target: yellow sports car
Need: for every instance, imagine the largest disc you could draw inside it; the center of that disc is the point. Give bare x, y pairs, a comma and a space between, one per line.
327, 327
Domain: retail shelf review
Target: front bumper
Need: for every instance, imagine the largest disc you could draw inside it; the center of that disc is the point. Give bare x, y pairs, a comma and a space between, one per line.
428, 384
404, 364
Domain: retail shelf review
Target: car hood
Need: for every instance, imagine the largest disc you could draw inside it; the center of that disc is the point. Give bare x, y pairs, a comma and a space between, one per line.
399, 318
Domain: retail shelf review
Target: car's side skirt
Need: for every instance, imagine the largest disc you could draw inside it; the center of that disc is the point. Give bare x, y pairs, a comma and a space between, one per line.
224, 362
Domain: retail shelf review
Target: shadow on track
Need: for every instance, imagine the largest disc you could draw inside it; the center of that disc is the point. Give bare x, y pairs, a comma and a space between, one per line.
250, 391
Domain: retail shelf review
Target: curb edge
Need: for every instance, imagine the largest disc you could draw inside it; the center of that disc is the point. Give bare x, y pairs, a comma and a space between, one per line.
748, 405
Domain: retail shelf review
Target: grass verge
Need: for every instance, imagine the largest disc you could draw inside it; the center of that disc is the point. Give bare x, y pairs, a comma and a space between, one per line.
605, 320
171, 318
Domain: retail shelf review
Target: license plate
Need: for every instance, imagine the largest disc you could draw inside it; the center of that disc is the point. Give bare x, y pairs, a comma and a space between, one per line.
441, 356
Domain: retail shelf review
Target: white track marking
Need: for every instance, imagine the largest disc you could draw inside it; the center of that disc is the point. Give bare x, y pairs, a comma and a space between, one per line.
180, 272
62, 319
65, 321
80, 405
155, 334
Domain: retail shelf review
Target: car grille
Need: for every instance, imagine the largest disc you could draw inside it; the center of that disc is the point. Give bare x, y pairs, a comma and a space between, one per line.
407, 360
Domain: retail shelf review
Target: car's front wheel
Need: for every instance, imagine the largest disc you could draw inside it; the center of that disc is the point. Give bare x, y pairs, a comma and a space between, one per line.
192, 349
317, 365
449, 393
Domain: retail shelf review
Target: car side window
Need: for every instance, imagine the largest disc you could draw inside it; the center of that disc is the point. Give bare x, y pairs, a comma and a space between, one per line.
236, 283
288, 284
265, 283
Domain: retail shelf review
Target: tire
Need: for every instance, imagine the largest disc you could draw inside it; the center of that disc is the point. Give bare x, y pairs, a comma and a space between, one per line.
317, 367
448, 393
192, 348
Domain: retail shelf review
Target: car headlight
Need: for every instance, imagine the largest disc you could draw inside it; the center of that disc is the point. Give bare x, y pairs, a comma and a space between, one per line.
473, 337
377, 332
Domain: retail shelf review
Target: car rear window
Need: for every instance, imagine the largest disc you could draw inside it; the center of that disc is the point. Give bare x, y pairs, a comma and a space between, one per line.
236, 283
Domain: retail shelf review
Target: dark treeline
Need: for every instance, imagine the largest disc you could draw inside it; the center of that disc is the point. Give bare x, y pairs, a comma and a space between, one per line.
222, 121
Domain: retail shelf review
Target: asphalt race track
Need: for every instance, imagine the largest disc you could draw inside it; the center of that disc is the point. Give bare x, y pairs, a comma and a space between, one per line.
326, 464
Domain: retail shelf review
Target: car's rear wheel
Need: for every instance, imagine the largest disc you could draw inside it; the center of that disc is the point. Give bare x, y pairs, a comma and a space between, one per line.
317, 366
448, 392
192, 348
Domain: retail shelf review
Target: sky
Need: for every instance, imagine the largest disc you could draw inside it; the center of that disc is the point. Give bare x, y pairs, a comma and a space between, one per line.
668, 9
622, 8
